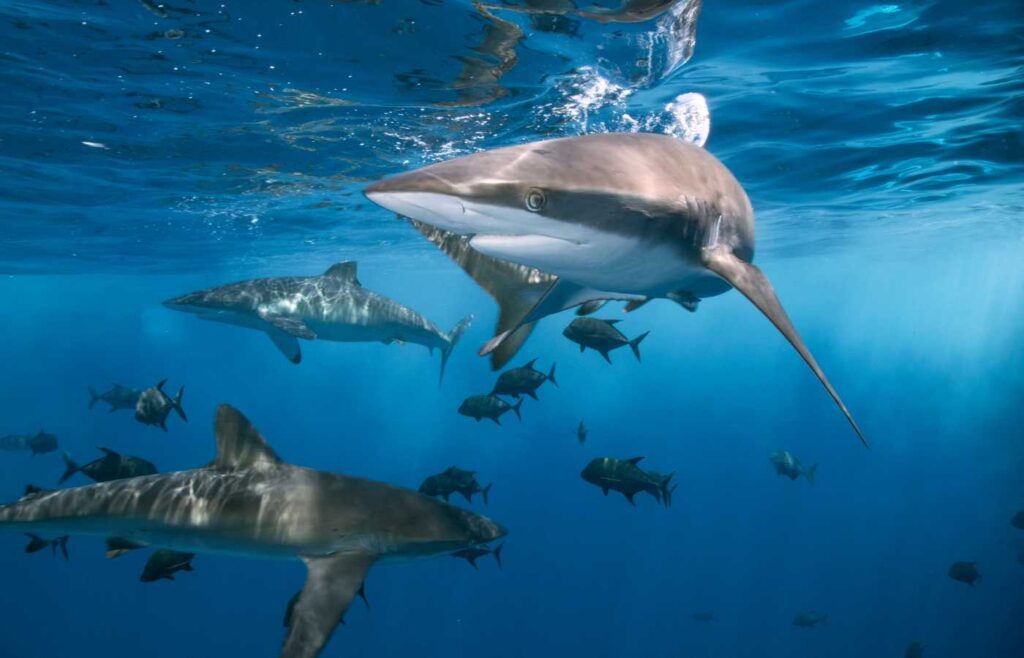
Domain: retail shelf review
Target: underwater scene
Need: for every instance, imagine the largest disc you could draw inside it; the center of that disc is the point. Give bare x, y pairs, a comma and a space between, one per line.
507, 328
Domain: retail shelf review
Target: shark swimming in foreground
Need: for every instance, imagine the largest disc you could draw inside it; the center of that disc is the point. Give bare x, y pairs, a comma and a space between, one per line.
334, 306
626, 216
248, 502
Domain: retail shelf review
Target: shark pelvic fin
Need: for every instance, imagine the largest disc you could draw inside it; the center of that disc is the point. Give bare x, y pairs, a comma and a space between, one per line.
346, 270
239, 444
754, 285
331, 584
286, 344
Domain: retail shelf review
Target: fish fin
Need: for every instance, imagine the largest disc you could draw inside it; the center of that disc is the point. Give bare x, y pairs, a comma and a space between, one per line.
754, 285
532, 394
604, 490
362, 594
35, 543
451, 339
551, 376
288, 324
635, 304
514, 287
687, 300
176, 404
811, 472
496, 420
93, 397
665, 490
607, 358
629, 497
188, 567
467, 496
635, 344
516, 408
593, 306
62, 544
529, 364
239, 444
635, 460
286, 344
497, 554
160, 385
346, 270
583, 348
485, 491
108, 452
116, 547
331, 583
32, 490
70, 468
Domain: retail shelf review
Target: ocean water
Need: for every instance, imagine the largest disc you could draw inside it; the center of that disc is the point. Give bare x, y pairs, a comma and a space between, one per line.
148, 150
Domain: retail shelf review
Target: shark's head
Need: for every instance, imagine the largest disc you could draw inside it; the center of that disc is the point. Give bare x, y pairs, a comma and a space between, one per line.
432, 527
222, 303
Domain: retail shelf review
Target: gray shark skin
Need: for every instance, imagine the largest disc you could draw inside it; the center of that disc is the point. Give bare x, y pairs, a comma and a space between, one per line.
787, 465
334, 306
118, 397
248, 502
628, 216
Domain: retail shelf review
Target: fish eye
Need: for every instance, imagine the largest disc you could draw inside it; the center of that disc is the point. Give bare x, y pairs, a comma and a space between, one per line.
535, 200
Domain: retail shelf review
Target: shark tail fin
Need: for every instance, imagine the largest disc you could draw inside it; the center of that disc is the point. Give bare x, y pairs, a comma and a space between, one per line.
486, 490
497, 554
93, 397
754, 285
176, 404
516, 408
666, 491
811, 472
635, 344
35, 543
551, 376
70, 468
452, 339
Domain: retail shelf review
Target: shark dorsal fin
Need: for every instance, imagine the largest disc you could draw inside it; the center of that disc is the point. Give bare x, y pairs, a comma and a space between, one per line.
239, 445
346, 270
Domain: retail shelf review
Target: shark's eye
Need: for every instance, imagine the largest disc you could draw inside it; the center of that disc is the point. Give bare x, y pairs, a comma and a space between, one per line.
535, 200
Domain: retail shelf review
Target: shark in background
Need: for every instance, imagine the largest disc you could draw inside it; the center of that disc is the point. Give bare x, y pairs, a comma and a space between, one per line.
607, 216
333, 306
248, 502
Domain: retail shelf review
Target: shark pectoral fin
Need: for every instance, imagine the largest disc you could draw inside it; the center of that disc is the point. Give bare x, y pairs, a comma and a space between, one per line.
286, 344
239, 444
755, 286
331, 584
289, 325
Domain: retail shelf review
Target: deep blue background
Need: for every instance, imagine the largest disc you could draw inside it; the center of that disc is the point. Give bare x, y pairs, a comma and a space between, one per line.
880, 160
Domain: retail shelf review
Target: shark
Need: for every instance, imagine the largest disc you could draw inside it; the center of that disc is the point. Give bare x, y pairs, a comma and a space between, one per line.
591, 218
333, 306
249, 502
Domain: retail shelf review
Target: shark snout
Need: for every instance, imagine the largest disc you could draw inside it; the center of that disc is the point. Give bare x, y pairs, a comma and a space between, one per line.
182, 302
486, 530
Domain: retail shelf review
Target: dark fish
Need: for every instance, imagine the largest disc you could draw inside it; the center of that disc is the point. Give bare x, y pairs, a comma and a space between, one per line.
601, 335
1018, 520
474, 552
914, 650
454, 480
624, 476
37, 444
37, 543
488, 406
703, 616
965, 572
786, 464
524, 380
154, 406
809, 620
111, 466
581, 433
118, 397
163, 564
116, 547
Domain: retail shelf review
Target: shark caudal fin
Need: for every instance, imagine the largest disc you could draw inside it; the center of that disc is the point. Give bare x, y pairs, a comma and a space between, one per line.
70, 468
754, 285
451, 339
176, 404
810, 473
635, 344
93, 397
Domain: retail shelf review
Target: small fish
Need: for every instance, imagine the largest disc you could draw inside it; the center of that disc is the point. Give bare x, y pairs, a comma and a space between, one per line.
488, 406
965, 572
163, 564
524, 380
1018, 520
118, 397
111, 466
809, 620
37, 444
786, 464
154, 406
703, 616
472, 553
602, 336
454, 480
914, 650
37, 543
581, 433
624, 476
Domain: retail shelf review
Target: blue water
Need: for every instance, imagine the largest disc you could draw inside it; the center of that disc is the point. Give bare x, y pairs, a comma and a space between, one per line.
150, 151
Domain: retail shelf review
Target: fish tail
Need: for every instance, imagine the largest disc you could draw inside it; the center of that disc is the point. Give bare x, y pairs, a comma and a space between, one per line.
70, 468
516, 407
93, 397
62, 544
666, 491
176, 404
635, 344
551, 376
497, 554
451, 340
810, 473
35, 543
486, 490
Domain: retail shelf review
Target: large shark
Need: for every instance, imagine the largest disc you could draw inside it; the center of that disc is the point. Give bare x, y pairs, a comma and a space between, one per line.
248, 502
627, 216
334, 306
